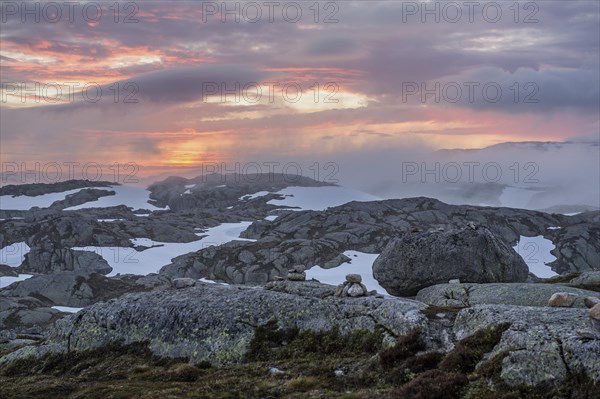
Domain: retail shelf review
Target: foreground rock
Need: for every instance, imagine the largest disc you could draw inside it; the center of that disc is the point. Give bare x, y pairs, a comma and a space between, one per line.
216, 323
590, 302
535, 347
587, 280
418, 260
539, 347
520, 294
562, 300
595, 312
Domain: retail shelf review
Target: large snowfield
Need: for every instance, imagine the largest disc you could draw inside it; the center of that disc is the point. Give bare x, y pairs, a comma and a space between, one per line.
24, 202
133, 197
126, 260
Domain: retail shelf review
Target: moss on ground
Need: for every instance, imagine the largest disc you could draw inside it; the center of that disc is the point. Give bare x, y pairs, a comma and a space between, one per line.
563, 278
307, 362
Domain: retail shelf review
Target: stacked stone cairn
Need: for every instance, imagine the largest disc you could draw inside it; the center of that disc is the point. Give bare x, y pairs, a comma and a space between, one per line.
352, 287
297, 273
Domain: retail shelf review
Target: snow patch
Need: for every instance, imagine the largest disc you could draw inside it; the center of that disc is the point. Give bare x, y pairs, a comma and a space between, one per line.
535, 251
361, 263
205, 280
66, 309
145, 242
126, 260
253, 196
24, 202
13, 255
132, 197
5, 281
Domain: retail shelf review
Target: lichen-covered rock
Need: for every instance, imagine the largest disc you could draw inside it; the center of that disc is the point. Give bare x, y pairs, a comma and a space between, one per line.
418, 260
216, 323
521, 294
542, 345
587, 279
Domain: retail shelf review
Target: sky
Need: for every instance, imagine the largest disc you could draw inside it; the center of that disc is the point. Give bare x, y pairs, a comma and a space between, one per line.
183, 84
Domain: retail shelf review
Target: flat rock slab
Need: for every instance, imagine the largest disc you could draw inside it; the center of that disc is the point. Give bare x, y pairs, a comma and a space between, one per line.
521, 294
216, 323
542, 346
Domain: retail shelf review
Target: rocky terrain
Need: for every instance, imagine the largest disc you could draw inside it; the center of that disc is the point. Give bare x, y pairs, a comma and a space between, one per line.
215, 275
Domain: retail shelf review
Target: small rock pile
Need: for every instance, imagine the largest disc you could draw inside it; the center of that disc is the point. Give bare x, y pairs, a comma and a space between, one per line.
353, 287
297, 273
567, 300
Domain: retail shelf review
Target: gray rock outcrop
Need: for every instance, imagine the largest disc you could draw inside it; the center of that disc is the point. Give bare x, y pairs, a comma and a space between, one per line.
74, 289
216, 323
418, 260
587, 279
519, 294
541, 346
27, 312
48, 259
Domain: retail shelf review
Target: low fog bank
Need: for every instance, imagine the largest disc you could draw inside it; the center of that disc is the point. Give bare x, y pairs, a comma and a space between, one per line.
559, 177
555, 176
531, 175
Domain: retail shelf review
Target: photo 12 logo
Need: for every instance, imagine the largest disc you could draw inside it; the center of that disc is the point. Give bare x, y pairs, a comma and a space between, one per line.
468, 172
53, 172
270, 11
469, 92
68, 92
452, 12
53, 12
256, 92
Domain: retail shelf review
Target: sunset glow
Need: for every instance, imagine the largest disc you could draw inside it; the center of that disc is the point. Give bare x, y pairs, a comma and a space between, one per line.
179, 87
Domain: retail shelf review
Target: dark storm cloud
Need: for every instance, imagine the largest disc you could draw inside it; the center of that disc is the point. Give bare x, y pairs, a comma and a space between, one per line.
193, 83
